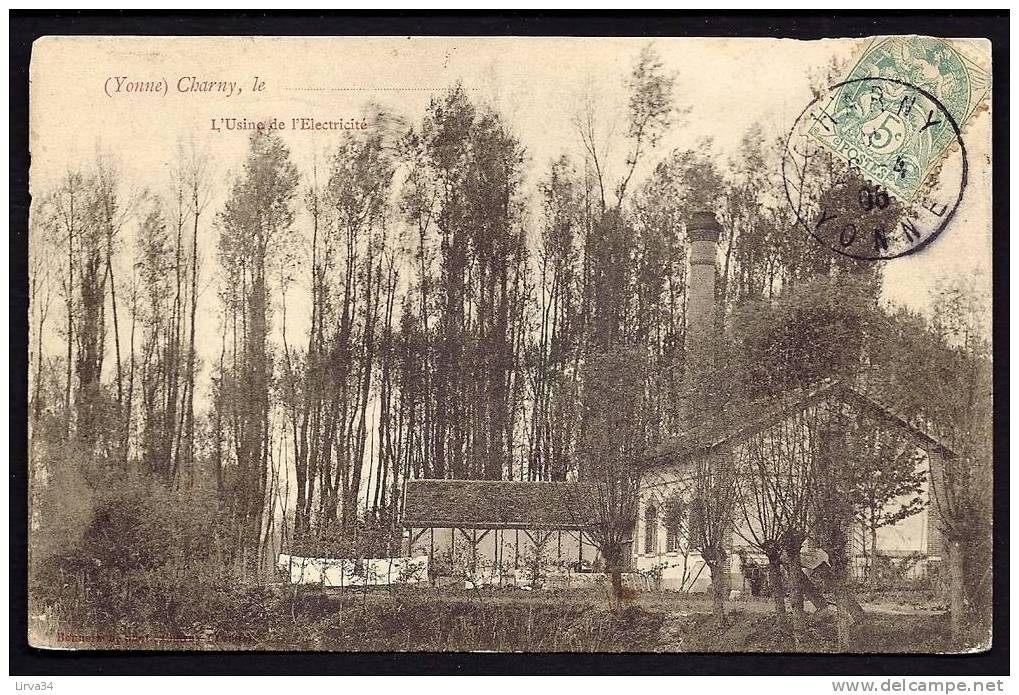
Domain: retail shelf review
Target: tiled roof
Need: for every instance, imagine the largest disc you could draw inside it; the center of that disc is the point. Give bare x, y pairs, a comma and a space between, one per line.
496, 504
745, 419
884, 400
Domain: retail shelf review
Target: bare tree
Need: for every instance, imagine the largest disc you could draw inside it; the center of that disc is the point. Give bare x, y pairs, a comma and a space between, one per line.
774, 490
713, 511
617, 428
198, 198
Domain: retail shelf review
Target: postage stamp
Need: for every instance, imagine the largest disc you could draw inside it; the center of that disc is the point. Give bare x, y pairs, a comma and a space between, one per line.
893, 115
837, 189
875, 167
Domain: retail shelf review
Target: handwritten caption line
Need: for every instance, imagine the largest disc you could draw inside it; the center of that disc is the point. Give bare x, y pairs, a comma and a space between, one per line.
371, 89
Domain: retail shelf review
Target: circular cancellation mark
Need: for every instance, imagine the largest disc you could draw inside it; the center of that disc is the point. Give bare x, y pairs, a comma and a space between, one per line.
874, 168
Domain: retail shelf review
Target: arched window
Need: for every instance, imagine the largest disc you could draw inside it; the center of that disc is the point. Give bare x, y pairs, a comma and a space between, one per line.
651, 530
674, 522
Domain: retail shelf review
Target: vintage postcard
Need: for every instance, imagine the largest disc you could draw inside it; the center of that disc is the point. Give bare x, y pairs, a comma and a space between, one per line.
511, 344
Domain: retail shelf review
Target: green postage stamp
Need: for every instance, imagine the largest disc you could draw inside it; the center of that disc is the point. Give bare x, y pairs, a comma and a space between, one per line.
901, 108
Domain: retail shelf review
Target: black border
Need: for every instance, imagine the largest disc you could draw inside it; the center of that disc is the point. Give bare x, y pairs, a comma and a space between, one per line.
25, 27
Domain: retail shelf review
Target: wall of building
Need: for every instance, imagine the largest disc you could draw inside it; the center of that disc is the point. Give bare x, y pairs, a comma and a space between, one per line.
682, 568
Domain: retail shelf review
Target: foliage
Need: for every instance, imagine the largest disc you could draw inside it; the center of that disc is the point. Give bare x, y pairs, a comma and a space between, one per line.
128, 531
253, 227
820, 330
372, 536
165, 615
887, 480
675, 515
652, 576
949, 389
536, 559
617, 427
890, 573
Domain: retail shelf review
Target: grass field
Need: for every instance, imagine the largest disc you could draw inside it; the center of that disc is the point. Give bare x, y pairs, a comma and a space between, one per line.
280, 617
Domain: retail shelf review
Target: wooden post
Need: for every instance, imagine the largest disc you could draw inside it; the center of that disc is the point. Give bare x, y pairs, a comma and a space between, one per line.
431, 555
498, 555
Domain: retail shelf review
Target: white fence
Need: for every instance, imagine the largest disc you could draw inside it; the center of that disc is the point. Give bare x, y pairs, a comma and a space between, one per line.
336, 572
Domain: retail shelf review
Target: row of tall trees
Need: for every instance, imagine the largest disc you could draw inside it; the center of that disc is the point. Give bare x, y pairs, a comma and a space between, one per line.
147, 405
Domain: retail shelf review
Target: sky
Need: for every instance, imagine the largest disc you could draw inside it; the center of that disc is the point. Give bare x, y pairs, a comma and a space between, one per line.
536, 84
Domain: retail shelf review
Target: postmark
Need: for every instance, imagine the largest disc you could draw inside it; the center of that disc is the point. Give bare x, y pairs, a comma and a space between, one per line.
875, 167
893, 106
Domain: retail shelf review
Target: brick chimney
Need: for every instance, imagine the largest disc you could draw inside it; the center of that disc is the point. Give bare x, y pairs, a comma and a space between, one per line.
702, 231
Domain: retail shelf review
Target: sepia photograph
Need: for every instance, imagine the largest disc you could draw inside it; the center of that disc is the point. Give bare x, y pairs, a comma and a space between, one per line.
511, 344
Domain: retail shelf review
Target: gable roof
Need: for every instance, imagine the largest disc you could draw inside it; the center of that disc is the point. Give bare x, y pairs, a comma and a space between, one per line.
750, 418
484, 504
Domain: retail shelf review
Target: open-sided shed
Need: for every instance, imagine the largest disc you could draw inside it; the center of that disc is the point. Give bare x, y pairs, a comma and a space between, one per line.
499, 512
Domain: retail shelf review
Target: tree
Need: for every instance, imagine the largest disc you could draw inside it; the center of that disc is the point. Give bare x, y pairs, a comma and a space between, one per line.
651, 109
888, 481
156, 269
774, 489
810, 335
555, 345
97, 240
713, 513
939, 368
832, 514
824, 329
357, 198
196, 182
462, 201
256, 218
617, 429
63, 210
